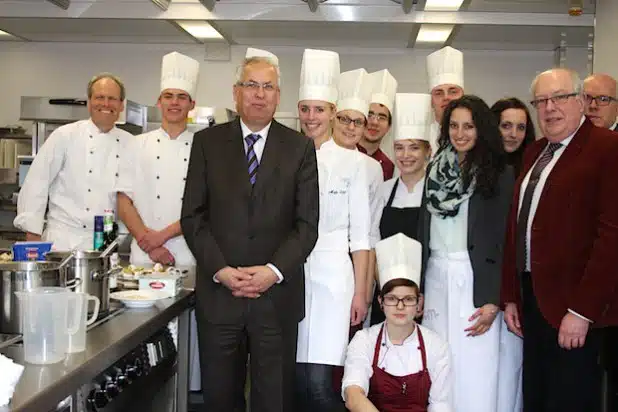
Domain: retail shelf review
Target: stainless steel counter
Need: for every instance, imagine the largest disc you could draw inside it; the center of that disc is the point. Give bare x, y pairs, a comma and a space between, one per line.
42, 387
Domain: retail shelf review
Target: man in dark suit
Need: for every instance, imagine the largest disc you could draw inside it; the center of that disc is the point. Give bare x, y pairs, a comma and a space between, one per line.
560, 273
601, 105
250, 217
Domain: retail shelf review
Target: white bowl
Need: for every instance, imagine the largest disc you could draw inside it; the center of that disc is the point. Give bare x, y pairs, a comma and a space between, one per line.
139, 298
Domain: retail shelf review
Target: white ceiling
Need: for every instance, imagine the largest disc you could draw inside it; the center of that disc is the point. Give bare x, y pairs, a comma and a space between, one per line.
488, 24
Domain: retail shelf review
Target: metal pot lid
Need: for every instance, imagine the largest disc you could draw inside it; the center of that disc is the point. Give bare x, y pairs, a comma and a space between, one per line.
79, 254
29, 266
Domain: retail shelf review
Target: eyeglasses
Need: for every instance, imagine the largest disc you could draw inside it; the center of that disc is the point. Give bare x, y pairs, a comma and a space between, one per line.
390, 300
346, 121
559, 99
380, 117
255, 86
599, 100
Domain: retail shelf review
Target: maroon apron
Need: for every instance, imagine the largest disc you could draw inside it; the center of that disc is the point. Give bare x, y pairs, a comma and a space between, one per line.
390, 393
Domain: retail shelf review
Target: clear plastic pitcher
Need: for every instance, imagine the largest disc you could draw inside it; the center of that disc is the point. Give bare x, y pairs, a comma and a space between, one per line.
47, 323
77, 340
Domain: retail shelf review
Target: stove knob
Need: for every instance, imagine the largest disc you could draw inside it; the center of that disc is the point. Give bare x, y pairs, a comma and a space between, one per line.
120, 378
97, 399
131, 372
111, 389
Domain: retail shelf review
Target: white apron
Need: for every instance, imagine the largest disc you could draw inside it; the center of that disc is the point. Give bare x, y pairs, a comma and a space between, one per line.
65, 237
323, 334
329, 289
448, 305
510, 372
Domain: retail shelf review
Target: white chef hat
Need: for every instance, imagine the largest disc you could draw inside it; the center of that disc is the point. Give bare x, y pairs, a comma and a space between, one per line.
251, 52
384, 87
445, 66
354, 91
413, 116
180, 72
319, 76
399, 257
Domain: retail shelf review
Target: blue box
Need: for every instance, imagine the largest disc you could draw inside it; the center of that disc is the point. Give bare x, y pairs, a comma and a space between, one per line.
24, 251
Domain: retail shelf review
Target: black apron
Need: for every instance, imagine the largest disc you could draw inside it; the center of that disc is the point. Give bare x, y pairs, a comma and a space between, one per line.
394, 220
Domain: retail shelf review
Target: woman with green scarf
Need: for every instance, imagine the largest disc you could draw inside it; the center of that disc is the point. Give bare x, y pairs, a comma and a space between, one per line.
468, 192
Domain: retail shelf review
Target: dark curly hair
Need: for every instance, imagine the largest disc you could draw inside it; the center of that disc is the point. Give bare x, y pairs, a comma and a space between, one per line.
514, 159
486, 161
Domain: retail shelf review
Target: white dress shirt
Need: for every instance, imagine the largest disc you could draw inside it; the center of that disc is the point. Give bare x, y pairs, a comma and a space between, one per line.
75, 174
155, 182
401, 360
536, 196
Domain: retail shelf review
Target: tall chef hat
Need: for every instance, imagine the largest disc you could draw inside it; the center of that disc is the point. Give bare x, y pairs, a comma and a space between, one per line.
413, 116
445, 66
319, 76
251, 52
354, 91
399, 257
384, 89
180, 72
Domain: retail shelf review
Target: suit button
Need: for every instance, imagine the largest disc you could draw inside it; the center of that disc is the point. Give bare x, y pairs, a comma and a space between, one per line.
84, 226
157, 177
158, 197
251, 237
157, 157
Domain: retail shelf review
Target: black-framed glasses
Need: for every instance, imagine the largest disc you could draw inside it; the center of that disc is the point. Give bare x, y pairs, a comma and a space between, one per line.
346, 121
391, 300
559, 99
255, 86
601, 100
380, 117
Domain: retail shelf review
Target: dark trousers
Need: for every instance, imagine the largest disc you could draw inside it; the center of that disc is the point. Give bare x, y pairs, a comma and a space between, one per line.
556, 379
223, 359
609, 360
314, 389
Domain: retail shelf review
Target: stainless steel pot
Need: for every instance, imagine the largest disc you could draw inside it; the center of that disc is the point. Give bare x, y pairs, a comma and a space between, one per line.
20, 276
92, 269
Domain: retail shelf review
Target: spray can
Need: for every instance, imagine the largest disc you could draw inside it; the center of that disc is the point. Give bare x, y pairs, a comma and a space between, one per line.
98, 233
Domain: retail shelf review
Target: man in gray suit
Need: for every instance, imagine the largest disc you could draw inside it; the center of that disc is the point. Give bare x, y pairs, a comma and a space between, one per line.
250, 217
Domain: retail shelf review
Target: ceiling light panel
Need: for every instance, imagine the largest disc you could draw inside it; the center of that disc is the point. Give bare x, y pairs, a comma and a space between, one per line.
200, 30
443, 5
433, 33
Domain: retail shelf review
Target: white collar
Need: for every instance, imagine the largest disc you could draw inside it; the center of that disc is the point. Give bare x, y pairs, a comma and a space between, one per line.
93, 129
614, 125
410, 339
186, 135
566, 141
246, 131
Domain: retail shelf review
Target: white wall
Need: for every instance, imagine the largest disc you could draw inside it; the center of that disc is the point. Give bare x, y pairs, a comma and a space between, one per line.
63, 69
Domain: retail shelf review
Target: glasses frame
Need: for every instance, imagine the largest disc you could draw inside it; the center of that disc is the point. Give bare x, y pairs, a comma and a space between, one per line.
402, 300
255, 86
589, 99
557, 100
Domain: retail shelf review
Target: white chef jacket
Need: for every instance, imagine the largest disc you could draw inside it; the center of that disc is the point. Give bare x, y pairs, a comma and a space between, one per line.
376, 178
536, 196
75, 173
401, 360
155, 183
403, 198
343, 176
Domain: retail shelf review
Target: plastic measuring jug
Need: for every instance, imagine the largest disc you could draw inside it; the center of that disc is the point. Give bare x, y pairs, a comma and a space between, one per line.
77, 340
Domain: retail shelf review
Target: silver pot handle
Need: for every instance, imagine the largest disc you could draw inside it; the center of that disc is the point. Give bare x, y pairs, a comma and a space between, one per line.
73, 283
96, 275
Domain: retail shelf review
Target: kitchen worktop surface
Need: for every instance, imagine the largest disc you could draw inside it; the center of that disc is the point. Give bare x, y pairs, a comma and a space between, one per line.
42, 387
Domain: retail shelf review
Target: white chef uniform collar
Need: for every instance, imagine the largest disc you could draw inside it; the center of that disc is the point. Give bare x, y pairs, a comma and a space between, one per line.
319, 76
354, 91
413, 116
180, 72
399, 257
445, 66
251, 52
384, 87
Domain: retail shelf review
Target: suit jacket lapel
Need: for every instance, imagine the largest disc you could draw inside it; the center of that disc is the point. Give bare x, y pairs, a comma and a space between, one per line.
238, 159
269, 164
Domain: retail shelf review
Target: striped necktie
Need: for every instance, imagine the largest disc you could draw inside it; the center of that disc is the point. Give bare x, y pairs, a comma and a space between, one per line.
524, 212
252, 160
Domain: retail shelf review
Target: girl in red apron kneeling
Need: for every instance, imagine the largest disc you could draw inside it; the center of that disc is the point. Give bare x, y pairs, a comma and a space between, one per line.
397, 365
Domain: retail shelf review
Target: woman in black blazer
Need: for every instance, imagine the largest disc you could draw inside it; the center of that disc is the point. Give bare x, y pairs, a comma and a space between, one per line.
467, 197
